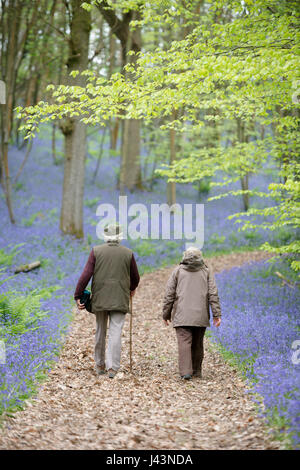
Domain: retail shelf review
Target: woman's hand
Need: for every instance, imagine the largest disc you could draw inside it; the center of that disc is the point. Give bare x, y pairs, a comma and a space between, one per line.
217, 321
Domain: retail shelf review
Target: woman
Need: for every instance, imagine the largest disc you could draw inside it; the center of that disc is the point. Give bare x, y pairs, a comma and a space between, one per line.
190, 290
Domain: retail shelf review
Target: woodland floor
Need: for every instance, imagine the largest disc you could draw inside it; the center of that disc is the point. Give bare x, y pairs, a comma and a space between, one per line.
154, 408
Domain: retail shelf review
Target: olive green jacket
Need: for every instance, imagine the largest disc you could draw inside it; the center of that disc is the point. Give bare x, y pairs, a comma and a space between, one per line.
111, 278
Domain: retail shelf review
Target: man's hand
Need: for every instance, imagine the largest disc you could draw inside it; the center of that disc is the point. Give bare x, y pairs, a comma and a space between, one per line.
167, 322
80, 305
217, 321
132, 292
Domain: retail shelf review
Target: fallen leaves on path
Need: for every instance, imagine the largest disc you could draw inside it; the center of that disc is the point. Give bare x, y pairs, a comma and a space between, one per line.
154, 408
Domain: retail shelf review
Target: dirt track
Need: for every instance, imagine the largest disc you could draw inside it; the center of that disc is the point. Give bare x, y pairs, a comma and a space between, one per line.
153, 409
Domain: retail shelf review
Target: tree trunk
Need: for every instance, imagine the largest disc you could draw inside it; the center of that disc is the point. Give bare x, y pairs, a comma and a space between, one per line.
245, 187
131, 174
28, 150
171, 186
245, 178
71, 217
9, 76
53, 142
114, 123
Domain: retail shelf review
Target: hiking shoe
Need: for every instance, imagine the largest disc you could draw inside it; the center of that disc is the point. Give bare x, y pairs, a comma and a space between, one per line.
100, 370
198, 374
186, 377
111, 373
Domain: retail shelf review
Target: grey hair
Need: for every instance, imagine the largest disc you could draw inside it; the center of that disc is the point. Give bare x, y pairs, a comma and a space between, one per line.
192, 252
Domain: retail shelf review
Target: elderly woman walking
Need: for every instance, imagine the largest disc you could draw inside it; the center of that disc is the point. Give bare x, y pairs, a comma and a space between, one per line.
190, 290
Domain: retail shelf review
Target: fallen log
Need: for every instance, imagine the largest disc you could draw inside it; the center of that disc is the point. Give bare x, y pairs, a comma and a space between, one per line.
25, 268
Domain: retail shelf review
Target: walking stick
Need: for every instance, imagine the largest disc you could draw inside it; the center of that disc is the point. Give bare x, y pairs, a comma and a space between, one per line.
130, 337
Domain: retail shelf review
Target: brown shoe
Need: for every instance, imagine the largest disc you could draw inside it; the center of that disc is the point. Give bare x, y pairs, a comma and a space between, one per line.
198, 374
111, 373
100, 370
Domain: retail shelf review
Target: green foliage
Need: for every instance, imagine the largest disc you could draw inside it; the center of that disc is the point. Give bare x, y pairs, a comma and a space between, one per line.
203, 186
30, 220
145, 248
52, 214
284, 216
59, 158
7, 258
252, 236
233, 71
217, 239
91, 202
20, 313
18, 186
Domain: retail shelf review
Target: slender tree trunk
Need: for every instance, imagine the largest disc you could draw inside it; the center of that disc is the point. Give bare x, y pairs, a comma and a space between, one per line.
245, 178
14, 16
59, 80
245, 187
71, 218
131, 174
171, 186
28, 150
114, 124
53, 142
100, 154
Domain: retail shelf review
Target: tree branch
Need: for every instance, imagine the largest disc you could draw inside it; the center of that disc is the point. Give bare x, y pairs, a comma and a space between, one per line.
117, 26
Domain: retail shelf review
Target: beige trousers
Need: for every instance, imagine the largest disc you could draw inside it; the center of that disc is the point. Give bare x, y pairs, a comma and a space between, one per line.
113, 353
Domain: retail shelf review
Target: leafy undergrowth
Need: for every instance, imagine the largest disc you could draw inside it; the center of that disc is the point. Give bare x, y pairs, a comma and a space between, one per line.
32, 329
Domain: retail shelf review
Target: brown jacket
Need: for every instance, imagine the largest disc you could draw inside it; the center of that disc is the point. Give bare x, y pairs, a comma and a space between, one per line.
190, 290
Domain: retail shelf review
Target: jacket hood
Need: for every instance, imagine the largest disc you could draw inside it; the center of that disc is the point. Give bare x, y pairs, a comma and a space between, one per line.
192, 260
192, 265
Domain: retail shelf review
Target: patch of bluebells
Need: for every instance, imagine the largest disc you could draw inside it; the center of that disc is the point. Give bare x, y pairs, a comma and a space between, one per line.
30, 353
260, 322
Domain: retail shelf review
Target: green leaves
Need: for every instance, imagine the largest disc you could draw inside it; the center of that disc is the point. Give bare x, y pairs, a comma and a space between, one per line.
231, 72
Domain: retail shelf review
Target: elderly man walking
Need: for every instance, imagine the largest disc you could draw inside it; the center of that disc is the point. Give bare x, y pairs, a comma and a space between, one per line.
190, 290
115, 278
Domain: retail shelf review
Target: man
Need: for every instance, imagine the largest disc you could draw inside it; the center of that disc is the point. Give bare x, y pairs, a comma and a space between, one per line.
190, 291
115, 278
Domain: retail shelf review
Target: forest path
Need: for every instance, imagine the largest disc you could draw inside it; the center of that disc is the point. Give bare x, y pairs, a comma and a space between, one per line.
154, 409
